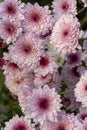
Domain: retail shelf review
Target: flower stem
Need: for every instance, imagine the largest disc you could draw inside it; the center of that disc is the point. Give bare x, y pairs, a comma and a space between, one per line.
81, 10
60, 93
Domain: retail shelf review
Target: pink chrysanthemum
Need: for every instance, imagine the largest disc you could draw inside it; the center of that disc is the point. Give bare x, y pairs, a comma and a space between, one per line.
10, 30
85, 2
81, 91
12, 69
66, 34
84, 125
41, 80
37, 19
70, 75
45, 65
11, 9
61, 7
82, 114
15, 82
25, 90
18, 123
43, 104
73, 59
69, 99
26, 51
64, 122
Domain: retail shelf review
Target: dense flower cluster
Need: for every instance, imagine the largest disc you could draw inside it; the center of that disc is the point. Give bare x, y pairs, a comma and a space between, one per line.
45, 67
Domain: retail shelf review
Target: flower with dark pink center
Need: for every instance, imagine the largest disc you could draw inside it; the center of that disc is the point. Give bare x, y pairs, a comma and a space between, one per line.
45, 65
11, 9
37, 19
65, 34
42, 104
73, 59
18, 123
61, 7
11, 30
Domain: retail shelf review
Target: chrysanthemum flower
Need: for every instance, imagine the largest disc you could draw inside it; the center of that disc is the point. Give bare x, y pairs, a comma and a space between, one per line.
61, 7
84, 125
15, 82
37, 19
18, 123
73, 59
41, 80
12, 69
43, 104
26, 51
81, 91
11, 9
65, 34
85, 2
70, 75
69, 99
10, 30
64, 122
25, 90
82, 114
45, 65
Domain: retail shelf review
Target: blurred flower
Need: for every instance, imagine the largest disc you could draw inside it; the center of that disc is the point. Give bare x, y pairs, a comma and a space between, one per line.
85, 2
73, 59
81, 90
70, 75
82, 114
84, 124
85, 45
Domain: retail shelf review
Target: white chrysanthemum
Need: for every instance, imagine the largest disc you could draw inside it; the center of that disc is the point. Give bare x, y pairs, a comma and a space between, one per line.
26, 51
64, 122
66, 34
43, 104
61, 7
11, 9
10, 30
18, 123
45, 65
37, 19
85, 2
81, 91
